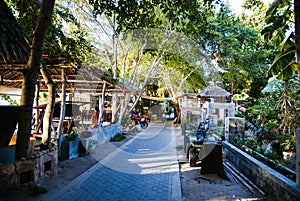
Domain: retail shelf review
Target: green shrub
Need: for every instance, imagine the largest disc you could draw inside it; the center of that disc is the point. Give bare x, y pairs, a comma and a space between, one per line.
117, 138
72, 136
37, 191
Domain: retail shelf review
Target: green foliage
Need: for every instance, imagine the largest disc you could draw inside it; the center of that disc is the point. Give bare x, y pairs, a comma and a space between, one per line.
68, 41
118, 138
285, 64
279, 22
70, 44
184, 124
186, 15
26, 14
251, 143
289, 143
239, 50
277, 115
182, 67
129, 14
37, 190
237, 47
72, 136
264, 110
9, 100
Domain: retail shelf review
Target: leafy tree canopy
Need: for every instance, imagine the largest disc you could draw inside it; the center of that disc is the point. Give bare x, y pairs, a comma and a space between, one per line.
69, 43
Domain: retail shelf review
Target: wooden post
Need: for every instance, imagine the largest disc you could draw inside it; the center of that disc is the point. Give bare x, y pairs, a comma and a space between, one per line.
37, 114
298, 156
102, 102
60, 128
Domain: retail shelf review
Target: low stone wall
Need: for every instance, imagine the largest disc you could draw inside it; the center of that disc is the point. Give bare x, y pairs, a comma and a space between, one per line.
28, 171
89, 140
277, 186
111, 130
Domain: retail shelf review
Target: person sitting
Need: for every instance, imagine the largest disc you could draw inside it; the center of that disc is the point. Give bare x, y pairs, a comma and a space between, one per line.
95, 118
201, 132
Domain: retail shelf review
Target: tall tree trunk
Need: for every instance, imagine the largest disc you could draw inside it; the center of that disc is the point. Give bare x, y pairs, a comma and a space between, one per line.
177, 112
127, 97
122, 109
297, 32
47, 121
154, 64
30, 78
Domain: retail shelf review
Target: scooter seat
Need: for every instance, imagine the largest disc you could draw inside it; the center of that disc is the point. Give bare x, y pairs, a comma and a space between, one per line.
197, 142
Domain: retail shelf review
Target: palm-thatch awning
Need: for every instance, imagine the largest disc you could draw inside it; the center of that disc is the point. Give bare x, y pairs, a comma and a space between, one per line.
79, 79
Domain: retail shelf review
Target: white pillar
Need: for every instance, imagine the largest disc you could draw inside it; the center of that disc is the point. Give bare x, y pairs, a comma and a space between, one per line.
231, 110
298, 156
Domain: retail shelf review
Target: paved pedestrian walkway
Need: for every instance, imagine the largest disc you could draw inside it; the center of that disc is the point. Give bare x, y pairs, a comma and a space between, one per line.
144, 168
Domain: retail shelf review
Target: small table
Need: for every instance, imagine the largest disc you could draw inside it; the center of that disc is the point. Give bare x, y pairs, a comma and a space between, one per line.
212, 159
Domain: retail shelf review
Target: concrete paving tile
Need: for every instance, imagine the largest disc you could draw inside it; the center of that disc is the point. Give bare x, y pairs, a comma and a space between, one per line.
144, 168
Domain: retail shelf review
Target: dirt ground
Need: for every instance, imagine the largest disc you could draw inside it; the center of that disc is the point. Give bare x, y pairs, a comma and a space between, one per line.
197, 187
194, 185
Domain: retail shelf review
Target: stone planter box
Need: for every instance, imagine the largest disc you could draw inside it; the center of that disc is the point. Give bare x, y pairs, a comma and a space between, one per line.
8, 123
69, 149
23, 172
7, 154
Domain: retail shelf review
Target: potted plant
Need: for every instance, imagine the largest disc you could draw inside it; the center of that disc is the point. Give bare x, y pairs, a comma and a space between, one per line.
72, 136
70, 145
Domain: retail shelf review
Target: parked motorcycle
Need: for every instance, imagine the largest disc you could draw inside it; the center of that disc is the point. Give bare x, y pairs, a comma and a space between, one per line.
147, 118
196, 141
139, 120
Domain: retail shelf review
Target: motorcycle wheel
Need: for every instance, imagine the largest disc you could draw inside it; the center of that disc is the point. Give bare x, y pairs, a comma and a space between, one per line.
144, 125
192, 157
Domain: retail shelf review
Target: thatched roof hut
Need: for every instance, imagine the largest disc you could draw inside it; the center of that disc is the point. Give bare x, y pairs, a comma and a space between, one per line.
14, 54
214, 91
14, 49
